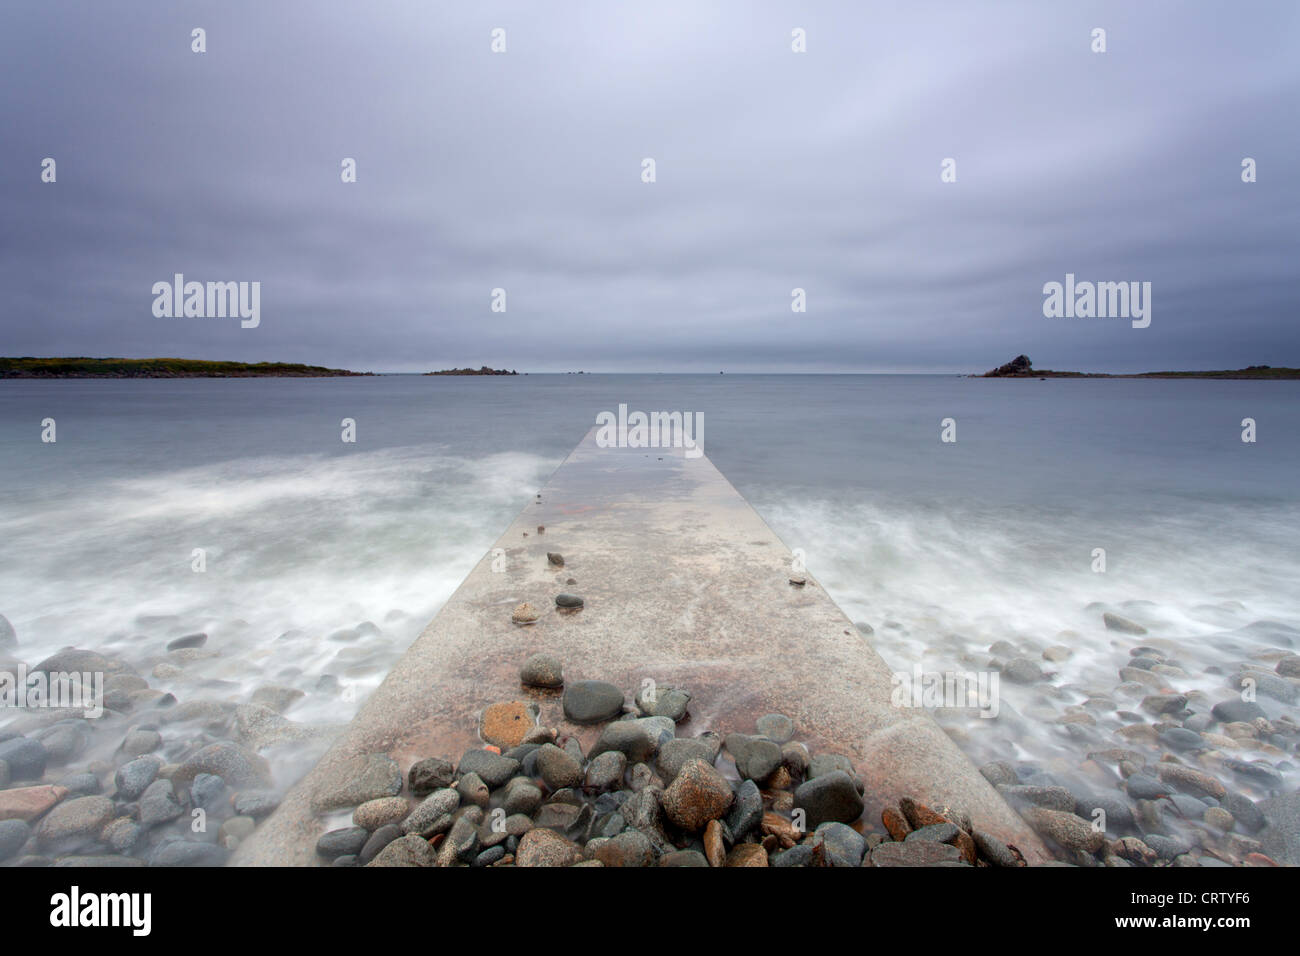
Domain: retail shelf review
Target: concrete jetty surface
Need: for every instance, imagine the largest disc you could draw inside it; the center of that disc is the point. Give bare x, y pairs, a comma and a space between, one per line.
684, 584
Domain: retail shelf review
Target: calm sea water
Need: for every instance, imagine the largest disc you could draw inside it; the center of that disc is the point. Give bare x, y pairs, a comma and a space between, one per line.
942, 548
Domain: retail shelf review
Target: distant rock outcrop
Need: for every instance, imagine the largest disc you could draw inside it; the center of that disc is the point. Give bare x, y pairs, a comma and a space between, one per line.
1018, 367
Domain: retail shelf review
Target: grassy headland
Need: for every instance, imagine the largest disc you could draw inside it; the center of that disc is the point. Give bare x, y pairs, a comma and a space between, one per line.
28, 367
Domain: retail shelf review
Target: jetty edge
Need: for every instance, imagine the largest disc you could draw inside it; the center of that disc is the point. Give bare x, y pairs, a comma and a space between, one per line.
684, 584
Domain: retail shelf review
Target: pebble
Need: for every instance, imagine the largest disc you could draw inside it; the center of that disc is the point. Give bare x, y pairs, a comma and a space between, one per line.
676, 753
841, 845
830, 797
140, 741
592, 702
430, 774
757, 759
629, 848
746, 812
158, 804
638, 739
409, 850
493, 768
670, 702
1065, 829
1022, 670
525, 614
375, 814
605, 770
914, 853
377, 841
747, 854
542, 670
775, 727
505, 725
74, 823
697, 795
567, 600
13, 836
557, 768
683, 858
1114, 622
256, 803
26, 758
433, 815
1229, 711
185, 853
539, 847
134, 776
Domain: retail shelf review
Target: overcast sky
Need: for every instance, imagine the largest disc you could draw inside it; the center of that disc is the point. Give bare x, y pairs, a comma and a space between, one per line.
775, 170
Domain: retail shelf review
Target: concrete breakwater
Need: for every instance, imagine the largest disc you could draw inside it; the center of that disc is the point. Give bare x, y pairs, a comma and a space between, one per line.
684, 586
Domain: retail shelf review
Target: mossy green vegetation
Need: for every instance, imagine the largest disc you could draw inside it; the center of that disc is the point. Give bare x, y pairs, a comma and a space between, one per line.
28, 367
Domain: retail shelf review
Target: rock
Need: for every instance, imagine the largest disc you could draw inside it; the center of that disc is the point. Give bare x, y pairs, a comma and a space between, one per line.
715, 848
1057, 653
234, 830
1288, 666
555, 559
1268, 684
461, 844
26, 758
522, 797
1164, 703
1182, 740
140, 741
506, 725
72, 659
605, 771
1114, 622
525, 614
493, 768
542, 670
746, 812
776, 727
1053, 798
358, 780
276, 698
568, 600
697, 795
206, 789
1280, 838
1236, 710
1140, 786
1190, 780
757, 759
895, 823
256, 803
669, 702
676, 753
75, 823
378, 840
184, 853
1256, 771
189, 640
823, 764
1218, 818
638, 739
683, 858
1022, 670
409, 850
994, 850
135, 776
82, 784
473, 791
795, 759
64, 740
1245, 811
747, 854
999, 773
233, 764
430, 774
158, 804
1065, 829
829, 798
28, 803
841, 845
433, 815
629, 848
557, 768
914, 853
801, 855
592, 702
1118, 813
540, 847
1166, 848
937, 832
13, 833
345, 841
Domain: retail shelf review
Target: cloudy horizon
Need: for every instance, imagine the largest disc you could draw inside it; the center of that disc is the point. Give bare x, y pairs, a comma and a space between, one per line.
774, 170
